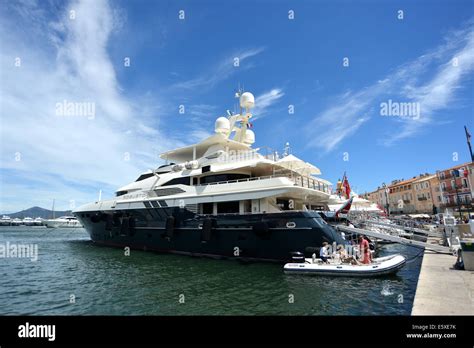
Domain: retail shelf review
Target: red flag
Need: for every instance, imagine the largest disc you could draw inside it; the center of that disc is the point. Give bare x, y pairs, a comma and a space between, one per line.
347, 187
344, 209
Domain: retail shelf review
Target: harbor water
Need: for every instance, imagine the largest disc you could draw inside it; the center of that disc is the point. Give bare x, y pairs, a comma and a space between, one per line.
72, 276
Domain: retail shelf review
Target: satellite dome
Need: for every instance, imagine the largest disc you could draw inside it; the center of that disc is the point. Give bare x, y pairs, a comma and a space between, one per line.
222, 125
249, 137
247, 100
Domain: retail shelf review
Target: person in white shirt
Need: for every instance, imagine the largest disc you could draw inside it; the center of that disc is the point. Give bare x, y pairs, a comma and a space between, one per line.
323, 252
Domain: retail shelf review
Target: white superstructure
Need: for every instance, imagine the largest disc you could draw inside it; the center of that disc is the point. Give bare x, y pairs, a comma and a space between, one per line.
38, 221
28, 221
226, 168
62, 222
5, 220
17, 222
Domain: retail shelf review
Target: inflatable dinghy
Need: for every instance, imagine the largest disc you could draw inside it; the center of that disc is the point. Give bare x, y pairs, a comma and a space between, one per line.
379, 266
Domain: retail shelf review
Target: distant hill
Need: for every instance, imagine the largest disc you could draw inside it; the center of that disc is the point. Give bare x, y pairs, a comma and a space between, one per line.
35, 212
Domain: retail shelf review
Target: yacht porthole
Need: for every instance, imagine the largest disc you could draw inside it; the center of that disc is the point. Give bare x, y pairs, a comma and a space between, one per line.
290, 224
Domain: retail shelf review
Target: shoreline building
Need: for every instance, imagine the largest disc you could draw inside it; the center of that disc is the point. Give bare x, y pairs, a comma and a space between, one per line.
401, 197
447, 190
456, 188
379, 197
426, 194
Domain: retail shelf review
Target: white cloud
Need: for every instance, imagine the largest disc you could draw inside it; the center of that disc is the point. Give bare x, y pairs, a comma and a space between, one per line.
64, 59
198, 135
343, 119
264, 101
430, 80
202, 111
222, 70
438, 92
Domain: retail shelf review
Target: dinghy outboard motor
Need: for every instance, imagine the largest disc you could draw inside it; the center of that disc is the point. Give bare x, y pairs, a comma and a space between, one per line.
297, 257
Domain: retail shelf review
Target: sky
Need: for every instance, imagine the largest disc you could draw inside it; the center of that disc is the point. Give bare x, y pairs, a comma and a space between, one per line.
154, 75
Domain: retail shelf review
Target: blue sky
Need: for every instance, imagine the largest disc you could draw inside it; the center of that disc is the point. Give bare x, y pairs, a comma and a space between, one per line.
173, 62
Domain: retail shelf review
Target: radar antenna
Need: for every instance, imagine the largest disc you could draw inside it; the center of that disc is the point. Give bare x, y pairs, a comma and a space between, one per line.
287, 149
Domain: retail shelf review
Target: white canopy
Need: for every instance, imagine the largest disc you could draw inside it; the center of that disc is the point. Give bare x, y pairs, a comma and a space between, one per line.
187, 153
295, 164
419, 216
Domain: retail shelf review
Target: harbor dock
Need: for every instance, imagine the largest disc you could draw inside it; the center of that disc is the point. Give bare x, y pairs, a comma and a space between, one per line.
441, 289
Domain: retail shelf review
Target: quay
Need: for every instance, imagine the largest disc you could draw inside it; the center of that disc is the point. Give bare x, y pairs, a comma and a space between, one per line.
441, 289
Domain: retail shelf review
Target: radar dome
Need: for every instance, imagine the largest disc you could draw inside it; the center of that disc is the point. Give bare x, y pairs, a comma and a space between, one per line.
249, 137
222, 125
247, 100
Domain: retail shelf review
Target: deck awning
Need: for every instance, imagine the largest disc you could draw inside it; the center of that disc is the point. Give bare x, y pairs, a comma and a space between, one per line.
419, 216
297, 165
188, 153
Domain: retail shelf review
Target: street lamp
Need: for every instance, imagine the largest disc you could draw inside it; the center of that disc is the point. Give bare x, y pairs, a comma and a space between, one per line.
456, 175
387, 206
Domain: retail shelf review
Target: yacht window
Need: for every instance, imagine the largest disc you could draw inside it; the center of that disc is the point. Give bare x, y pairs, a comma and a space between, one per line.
166, 165
284, 204
247, 206
207, 208
222, 177
178, 181
228, 207
206, 169
144, 176
195, 181
120, 193
165, 168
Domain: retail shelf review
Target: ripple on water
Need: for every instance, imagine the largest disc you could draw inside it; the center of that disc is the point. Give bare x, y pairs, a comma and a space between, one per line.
104, 281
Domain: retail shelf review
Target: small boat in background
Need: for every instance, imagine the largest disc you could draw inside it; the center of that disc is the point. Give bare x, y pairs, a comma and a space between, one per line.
63, 222
28, 221
5, 220
17, 222
379, 266
38, 221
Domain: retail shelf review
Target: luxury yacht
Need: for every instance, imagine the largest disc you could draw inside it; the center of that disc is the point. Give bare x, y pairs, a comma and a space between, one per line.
17, 222
28, 221
38, 221
62, 222
220, 198
5, 220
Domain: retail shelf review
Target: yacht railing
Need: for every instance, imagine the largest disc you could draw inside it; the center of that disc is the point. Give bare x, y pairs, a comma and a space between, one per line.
301, 181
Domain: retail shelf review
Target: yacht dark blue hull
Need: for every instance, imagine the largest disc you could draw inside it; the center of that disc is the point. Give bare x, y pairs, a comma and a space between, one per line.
258, 237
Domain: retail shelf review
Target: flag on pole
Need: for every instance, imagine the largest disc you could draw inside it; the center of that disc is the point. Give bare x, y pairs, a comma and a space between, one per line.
344, 209
347, 187
468, 138
339, 187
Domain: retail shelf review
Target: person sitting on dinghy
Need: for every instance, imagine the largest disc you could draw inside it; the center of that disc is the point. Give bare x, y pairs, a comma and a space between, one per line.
345, 257
323, 252
364, 250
